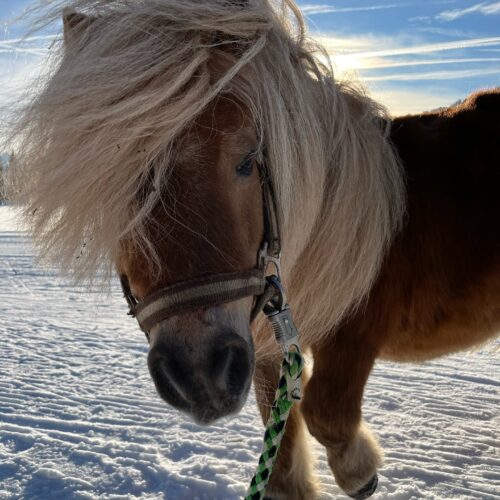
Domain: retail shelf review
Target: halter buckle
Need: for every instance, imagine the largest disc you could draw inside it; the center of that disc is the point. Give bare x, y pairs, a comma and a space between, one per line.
265, 259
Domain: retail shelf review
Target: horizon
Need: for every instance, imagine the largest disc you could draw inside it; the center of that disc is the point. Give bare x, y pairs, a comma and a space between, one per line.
411, 56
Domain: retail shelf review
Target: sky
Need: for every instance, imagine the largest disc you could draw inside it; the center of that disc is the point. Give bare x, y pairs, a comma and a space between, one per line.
411, 55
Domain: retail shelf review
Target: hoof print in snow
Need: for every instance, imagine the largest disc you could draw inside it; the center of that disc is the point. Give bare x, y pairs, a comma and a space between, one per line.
367, 490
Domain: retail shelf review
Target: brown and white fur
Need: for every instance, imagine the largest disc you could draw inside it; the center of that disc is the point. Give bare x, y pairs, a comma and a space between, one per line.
129, 158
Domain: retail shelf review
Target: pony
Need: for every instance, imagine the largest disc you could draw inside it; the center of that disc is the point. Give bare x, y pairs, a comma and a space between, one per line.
144, 152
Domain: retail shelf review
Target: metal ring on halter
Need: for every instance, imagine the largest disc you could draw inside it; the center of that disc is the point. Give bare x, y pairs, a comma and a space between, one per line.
278, 300
265, 259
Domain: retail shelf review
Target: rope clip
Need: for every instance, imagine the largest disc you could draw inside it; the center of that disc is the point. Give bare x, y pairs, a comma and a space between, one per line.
280, 316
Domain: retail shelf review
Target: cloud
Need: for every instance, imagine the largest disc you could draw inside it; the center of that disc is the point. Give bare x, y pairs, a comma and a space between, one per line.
313, 9
381, 64
417, 49
35, 45
420, 19
401, 91
448, 32
30, 39
434, 75
486, 9
5, 49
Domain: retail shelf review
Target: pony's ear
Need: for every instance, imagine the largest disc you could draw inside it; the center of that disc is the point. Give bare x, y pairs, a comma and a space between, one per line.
74, 24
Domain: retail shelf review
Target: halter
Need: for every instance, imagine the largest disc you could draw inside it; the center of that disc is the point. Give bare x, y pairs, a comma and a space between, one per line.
216, 289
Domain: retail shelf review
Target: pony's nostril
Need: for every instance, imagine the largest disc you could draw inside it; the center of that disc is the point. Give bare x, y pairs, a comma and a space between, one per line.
171, 380
238, 371
172, 375
231, 368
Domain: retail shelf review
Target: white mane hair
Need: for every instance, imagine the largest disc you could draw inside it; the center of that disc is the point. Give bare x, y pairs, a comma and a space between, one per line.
137, 75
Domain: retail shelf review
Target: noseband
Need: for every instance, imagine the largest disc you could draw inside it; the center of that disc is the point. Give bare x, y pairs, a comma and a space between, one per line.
216, 289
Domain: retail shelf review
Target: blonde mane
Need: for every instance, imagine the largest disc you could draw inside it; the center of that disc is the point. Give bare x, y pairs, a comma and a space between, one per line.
120, 95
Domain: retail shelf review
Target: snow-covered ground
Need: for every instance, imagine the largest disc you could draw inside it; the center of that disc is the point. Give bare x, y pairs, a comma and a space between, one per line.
79, 417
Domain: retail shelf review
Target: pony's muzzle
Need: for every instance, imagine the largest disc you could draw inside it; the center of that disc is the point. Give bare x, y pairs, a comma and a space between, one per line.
206, 376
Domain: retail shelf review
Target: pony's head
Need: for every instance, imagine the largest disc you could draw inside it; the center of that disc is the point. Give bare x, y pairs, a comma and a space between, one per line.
207, 222
141, 155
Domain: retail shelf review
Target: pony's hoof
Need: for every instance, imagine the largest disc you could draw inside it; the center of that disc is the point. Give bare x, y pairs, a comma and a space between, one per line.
367, 490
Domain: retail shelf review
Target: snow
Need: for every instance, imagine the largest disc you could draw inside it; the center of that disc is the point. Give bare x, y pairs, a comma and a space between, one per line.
79, 417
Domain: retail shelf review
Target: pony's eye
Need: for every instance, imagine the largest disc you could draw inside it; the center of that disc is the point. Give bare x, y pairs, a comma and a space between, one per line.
245, 168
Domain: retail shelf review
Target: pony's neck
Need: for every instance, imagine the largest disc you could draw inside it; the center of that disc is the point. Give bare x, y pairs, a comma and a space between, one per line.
347, 214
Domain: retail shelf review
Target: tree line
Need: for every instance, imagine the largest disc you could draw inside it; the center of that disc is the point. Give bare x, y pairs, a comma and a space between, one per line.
4, 163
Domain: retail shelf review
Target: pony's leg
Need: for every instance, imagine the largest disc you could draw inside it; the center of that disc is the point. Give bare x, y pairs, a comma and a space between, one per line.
332, 411
292, 477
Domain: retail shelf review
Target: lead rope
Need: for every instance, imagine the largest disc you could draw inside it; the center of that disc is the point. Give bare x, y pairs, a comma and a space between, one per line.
288, 392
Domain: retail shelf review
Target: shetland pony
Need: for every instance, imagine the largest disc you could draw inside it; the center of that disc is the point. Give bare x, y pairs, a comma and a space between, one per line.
141, 154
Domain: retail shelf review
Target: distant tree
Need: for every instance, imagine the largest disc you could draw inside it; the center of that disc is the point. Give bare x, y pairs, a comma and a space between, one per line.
3, 169
5, 162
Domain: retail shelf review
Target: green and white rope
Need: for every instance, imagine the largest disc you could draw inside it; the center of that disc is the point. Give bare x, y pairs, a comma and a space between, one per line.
289, 391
